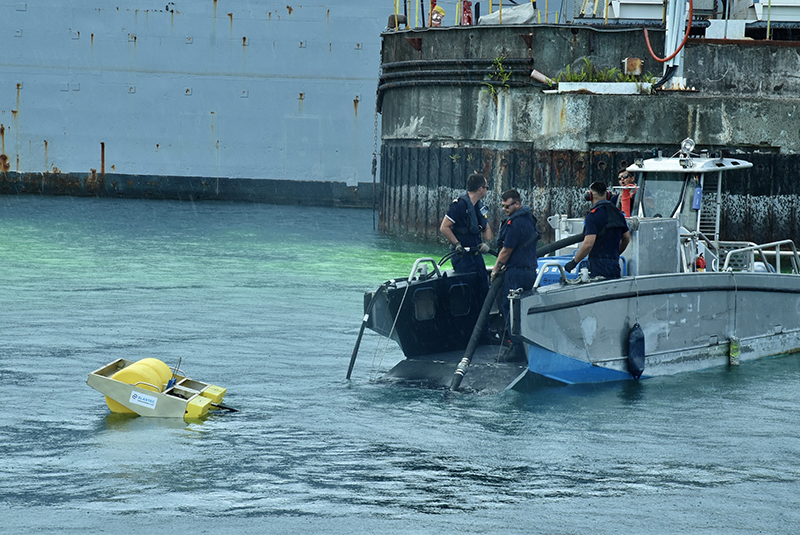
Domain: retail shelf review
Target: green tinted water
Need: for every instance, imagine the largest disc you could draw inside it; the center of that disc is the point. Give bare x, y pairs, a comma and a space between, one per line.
267, 301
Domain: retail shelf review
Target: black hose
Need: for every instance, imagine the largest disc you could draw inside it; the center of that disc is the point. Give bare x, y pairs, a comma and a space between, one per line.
477, 331
671, 70
451, 254
497, 283
556, 245
224, 407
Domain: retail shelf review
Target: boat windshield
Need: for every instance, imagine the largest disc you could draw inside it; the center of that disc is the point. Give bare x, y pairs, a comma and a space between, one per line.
662, 194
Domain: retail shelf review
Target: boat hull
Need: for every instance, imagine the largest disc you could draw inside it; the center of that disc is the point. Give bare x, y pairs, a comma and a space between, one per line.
579, 333
427, 317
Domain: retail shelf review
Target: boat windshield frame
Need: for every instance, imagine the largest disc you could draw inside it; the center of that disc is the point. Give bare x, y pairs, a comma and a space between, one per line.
661, 194
685, 168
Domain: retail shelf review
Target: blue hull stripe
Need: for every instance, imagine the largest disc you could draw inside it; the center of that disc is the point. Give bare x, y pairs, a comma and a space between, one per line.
569, 370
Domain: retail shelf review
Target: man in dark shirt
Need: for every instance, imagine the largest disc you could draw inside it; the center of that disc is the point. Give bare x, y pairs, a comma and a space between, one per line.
606, 235
517, 257
464, 224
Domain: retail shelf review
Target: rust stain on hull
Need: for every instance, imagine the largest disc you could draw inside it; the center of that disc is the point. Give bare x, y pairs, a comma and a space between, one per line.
4, 165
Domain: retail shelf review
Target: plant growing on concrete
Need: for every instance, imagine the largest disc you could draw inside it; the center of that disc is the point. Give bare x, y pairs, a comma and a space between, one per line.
499, 74
590, 73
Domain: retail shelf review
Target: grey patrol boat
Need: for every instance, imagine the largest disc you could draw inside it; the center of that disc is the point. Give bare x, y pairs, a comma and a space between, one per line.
687, 300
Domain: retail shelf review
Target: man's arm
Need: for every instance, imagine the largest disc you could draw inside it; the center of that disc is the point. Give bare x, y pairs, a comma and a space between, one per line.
626, 239
446, 228
586, 247
502, 259
487, 234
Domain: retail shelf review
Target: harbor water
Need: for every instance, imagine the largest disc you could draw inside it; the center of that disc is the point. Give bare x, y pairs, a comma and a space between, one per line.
267, 301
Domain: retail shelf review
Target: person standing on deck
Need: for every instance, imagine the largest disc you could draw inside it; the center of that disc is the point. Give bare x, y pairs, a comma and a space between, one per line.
517, 241
606, 235
624, 199
464, 224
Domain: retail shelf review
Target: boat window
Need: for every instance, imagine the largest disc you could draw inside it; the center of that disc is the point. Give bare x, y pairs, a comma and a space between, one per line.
424, 304
460, 299
662, 194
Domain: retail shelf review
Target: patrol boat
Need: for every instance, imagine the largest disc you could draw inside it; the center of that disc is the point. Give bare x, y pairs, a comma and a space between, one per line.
687, 300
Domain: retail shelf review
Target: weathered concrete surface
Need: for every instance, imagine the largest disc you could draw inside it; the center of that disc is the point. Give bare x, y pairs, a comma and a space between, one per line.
441, 121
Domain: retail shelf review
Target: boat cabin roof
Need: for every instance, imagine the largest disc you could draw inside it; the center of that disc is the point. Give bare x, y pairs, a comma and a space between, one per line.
691, 163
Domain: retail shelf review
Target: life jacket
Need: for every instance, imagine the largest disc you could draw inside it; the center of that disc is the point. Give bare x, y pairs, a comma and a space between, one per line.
614, 217
525, 211
625, 200
474, 227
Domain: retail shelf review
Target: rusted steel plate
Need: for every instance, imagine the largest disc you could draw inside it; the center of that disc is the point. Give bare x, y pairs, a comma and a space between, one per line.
418, 184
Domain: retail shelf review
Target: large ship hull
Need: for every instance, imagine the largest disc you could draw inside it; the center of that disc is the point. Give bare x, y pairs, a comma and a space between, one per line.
190, 100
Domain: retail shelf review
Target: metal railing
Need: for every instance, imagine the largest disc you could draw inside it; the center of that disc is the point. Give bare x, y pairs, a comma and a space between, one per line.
763, 251
423, 268
690, 249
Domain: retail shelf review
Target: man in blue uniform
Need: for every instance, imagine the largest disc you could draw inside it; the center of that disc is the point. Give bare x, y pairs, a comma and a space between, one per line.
606, 235
517, 240
464, 224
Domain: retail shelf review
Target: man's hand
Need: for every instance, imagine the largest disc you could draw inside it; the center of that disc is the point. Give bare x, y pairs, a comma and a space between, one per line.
459, 248
483, 248
569, 266
497, 271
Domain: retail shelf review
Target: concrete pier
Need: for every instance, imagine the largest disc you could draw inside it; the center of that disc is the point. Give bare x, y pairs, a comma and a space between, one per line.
444, 115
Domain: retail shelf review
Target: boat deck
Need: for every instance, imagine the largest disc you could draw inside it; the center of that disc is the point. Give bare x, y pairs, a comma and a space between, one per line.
486, 372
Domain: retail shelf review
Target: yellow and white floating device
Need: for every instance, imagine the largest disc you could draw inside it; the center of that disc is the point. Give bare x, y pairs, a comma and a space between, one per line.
145, 387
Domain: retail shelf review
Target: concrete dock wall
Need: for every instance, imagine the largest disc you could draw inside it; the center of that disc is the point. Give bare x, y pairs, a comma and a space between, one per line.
441, 121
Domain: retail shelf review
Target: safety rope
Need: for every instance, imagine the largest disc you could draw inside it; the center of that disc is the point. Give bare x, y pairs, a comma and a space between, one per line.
735, 300
374, 371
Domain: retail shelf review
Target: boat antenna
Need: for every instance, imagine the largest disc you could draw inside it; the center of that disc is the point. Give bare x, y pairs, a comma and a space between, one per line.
174, 379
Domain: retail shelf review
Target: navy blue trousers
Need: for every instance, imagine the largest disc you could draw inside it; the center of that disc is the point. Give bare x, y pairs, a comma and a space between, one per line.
470, 263
516, 277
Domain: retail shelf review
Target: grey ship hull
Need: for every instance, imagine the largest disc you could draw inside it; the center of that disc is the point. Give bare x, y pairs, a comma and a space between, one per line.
240, 99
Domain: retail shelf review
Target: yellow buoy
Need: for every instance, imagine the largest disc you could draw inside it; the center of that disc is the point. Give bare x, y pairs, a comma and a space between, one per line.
161, 369
135, 373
